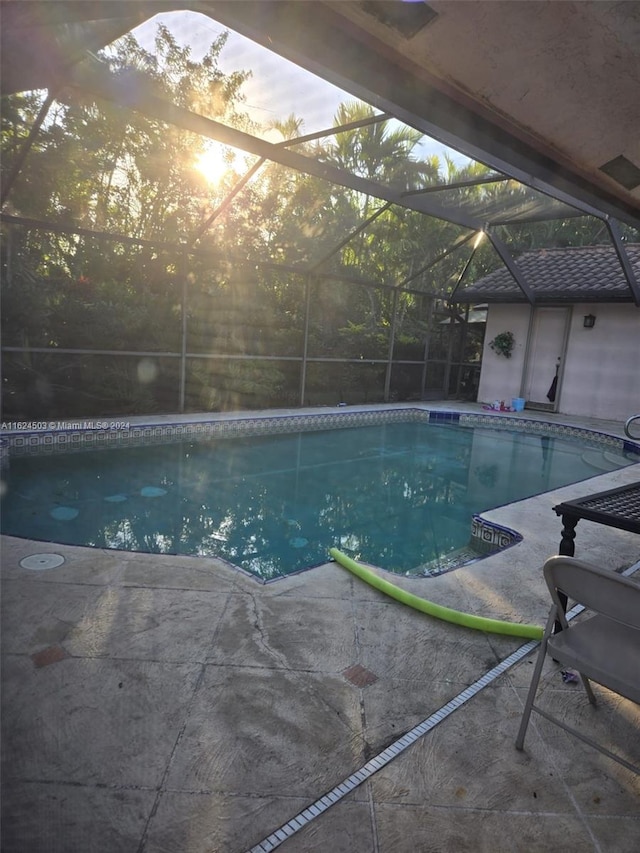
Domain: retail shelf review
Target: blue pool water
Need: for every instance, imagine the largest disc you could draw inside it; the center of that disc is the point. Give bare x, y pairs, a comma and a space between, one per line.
399, 495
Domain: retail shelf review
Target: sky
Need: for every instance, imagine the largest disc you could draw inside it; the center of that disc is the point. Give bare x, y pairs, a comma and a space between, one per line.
277, 87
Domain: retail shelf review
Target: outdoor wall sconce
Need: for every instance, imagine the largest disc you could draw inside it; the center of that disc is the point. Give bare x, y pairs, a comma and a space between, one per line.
589, 321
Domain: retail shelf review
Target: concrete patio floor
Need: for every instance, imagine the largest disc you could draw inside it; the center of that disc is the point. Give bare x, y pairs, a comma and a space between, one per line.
155, 704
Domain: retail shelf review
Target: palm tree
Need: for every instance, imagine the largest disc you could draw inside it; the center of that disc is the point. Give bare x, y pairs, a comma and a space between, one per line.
382, 152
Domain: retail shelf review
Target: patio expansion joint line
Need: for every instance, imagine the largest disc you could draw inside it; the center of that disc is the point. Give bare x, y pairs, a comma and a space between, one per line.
363, 719
275, 839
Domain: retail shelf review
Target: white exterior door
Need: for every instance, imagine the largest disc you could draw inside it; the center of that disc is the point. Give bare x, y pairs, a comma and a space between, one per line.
545, 357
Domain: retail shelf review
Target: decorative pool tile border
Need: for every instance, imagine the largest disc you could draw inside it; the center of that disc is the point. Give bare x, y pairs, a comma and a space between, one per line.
487, 537
4, 453
529, 425
75, 440
56, 441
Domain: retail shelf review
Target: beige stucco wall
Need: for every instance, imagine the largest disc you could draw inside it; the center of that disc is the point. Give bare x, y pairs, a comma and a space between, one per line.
601, 376
500, 377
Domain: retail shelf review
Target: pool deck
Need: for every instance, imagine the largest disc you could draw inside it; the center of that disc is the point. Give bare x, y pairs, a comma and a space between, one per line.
155, 704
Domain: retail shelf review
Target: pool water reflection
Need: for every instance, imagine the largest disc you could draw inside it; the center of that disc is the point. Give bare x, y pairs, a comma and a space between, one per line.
400, 495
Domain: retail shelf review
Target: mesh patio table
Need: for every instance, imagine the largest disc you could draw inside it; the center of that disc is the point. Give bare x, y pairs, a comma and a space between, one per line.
618, 508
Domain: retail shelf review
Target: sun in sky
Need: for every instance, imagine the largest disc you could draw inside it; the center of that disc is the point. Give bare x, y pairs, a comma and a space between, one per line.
214, 162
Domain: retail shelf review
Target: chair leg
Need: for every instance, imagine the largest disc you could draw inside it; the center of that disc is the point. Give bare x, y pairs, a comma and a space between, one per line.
587, 687
531, 695
535, 679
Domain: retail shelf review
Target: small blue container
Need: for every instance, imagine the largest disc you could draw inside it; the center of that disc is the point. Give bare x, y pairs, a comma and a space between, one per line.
517, 404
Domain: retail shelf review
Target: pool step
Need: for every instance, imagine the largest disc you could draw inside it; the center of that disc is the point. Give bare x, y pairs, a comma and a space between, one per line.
453, 560
605, 460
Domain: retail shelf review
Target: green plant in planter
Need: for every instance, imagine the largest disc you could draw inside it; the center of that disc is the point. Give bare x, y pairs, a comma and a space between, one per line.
503, 344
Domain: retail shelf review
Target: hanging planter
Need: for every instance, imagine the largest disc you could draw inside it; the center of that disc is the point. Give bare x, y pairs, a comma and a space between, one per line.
503, 343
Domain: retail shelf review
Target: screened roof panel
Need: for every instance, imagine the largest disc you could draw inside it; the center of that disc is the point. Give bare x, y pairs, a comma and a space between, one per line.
184, 131
629, 234
493, 200
275, 88
555, 234
35, 54
283, 216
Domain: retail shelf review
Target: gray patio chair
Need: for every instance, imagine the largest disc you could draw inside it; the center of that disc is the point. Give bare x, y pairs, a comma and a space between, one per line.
604, 647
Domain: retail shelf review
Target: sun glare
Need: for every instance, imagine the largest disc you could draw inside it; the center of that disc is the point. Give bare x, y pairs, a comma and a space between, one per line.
213, 163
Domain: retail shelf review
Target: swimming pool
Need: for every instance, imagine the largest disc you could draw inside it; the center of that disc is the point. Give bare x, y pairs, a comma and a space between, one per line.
400, 493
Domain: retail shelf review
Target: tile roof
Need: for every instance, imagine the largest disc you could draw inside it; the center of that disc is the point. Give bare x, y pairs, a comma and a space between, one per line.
580, 274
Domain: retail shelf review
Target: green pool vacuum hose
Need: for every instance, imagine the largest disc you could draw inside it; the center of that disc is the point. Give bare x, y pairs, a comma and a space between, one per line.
468, 620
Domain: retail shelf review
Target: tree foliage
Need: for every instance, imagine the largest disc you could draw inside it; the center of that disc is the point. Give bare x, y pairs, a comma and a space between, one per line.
103, 167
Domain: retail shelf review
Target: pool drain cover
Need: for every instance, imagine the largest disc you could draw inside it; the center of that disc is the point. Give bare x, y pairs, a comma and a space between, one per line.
42, 562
